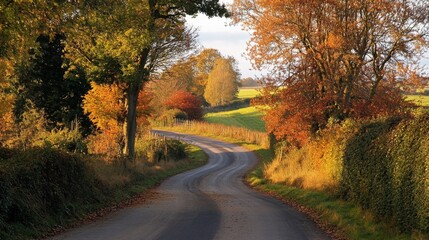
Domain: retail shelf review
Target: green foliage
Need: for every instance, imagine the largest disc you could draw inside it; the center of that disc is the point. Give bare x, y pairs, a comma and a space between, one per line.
157, 150
32, 132
65, 139
42, 188
44, 182
382, 165
385, 170
48, 82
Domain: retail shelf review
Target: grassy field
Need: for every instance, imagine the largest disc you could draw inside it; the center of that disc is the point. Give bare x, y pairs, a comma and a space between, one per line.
248, 117
419, 100
246, 93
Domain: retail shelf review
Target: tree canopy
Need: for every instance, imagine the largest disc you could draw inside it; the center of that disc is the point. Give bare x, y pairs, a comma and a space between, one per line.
342, 57
222, 83
127, 41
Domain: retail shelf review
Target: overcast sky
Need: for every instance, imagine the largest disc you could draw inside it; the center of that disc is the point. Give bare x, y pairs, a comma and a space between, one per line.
232, 41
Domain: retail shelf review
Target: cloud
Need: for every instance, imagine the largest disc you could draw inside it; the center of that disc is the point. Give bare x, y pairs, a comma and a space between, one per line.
230, 40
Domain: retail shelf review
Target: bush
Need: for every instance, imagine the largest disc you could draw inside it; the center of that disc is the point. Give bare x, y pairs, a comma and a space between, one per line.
43, 182
383, 165
157, 150
186, 102
385, 170
65, 139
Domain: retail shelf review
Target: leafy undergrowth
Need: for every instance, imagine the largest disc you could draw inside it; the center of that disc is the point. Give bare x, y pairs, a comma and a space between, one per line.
43, 191
342, 219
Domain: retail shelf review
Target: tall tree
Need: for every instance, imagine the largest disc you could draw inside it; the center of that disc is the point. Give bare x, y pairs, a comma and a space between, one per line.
346, 52
188, 74
48, 82
222, 83
205, 62
126, 41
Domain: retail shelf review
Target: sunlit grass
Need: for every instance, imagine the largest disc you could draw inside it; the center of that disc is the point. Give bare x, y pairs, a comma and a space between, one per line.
247, 93
249, 118
420, 100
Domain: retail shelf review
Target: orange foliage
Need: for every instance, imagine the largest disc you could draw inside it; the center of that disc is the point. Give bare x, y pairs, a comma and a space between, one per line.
335, 59
6, 99
186, 102
106, 105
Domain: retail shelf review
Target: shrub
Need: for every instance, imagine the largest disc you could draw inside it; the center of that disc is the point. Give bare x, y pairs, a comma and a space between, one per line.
65, 139
157, 150
317, 165
382, 165
42, 182
186, 102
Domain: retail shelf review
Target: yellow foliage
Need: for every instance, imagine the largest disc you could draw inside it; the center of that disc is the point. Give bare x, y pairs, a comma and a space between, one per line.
6, 99
317, 165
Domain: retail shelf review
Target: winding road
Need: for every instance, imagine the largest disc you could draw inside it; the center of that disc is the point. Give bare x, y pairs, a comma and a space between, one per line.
210, 202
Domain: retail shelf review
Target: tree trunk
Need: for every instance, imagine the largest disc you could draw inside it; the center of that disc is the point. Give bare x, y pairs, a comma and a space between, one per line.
133, 95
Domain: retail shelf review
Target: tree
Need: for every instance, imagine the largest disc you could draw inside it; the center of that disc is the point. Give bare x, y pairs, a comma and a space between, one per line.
126, 41
222, 83
47, 81
342, 55
189, 74
204, 63
249, 82
186, 102
106, 106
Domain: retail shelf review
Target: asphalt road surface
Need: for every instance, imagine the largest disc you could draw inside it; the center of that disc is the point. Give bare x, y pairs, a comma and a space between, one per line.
210, 202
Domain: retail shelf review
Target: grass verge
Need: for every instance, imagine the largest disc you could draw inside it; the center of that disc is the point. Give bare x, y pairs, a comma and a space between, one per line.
340, 219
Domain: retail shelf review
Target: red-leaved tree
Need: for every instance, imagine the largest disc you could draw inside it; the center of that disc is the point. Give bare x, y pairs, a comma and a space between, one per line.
186, 102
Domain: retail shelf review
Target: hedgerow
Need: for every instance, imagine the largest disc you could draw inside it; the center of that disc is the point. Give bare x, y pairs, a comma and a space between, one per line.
383, 165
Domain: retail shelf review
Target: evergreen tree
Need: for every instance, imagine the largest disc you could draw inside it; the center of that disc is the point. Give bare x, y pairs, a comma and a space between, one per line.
48, 83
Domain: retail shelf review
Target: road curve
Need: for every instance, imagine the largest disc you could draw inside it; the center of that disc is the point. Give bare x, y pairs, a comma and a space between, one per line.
210, 202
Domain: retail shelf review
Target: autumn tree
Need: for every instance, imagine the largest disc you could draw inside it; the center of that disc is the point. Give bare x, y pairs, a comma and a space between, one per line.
186, 102
126, 41
340, 57
204, 64
106, 106
222, 83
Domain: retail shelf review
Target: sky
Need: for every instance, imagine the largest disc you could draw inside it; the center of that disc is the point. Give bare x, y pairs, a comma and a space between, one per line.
230, 40
218, 33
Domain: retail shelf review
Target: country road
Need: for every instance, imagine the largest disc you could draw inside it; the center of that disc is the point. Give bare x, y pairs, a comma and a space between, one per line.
210, 202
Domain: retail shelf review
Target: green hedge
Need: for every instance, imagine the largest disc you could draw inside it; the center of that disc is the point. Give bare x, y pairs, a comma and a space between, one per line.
386, 170
42, 186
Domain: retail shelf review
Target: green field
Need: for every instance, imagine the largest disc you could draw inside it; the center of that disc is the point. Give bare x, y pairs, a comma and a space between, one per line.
246, 93
420, 100
249, 117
